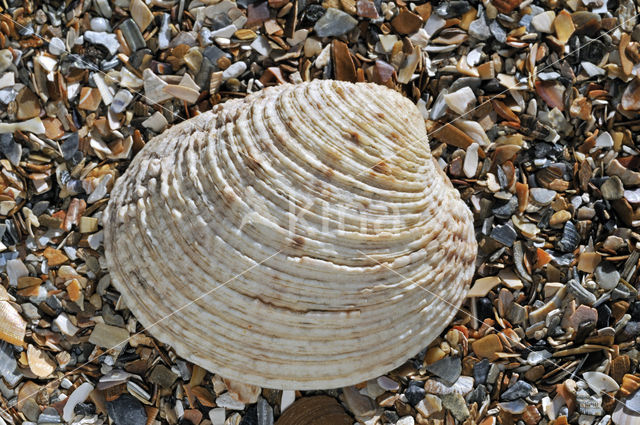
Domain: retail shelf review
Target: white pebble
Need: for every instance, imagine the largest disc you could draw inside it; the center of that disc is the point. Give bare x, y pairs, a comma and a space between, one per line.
470, 165
217, 416
65, 325
234, 71
56, 46
288, 397
15, 270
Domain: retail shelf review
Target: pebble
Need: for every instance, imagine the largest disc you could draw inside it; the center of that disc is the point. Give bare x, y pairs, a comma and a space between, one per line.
612, 189
360, 405
430, 405
542, 196
16, 269
461, 101
455, 404
487, 346
56, 46
110, 41
70, 146
406, 420
537, 357
470, 166
516, 407
163, 376
10, 149
543, 22
582, 315
227, 401
132, 35
234, 71
107, 336
334, 23
265, 412
217, 416
127, 410
414, 393
100, 24
448, 369
287, 399
481, 370
518, 390
606, 275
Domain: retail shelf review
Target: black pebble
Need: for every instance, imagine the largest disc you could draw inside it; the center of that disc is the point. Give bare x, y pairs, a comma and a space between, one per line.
127, 410
414, 393
251, 417
485, 308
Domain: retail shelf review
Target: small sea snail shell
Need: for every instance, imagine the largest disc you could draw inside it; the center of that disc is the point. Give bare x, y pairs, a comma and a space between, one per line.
302, 237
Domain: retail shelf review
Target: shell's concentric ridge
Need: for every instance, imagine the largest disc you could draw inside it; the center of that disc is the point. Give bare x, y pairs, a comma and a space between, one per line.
284, 202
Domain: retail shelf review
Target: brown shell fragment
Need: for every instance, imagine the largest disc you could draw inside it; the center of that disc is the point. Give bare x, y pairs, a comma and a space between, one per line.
316, 410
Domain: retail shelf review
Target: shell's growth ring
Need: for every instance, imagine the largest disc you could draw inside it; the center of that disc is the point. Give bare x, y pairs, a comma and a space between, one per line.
323, 262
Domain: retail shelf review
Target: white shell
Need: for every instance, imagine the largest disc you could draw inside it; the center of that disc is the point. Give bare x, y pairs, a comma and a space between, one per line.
600, 382
624, 416
304, 236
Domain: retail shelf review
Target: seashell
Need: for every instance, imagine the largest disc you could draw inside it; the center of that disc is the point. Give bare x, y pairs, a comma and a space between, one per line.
12, 325
623, 416
316, 410
39, 362
463, 386
300, 238
600, 382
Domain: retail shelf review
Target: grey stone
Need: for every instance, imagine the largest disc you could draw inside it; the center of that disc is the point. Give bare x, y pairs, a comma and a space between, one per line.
132, 35
265, 412
70, 146
607, 277
10, 148
127, 410
498, 32
334, 22
515, 407
456, 405
447, 369
479, 29
518, 390
541, 195
162, 376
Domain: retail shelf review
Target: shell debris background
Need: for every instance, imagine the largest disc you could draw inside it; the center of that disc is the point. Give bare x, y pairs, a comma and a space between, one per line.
548, 163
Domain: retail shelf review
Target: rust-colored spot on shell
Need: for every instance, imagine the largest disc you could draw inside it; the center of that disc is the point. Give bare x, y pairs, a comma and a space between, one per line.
317, 410
381, 167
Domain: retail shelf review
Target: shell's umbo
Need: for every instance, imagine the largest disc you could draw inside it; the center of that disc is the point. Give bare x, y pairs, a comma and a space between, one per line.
302, 237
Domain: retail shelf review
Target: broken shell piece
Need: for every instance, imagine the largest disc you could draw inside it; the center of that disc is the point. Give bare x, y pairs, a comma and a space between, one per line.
316, 410
599, 382
328, 297
39, 362
12, 325
461, 101
462, 386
